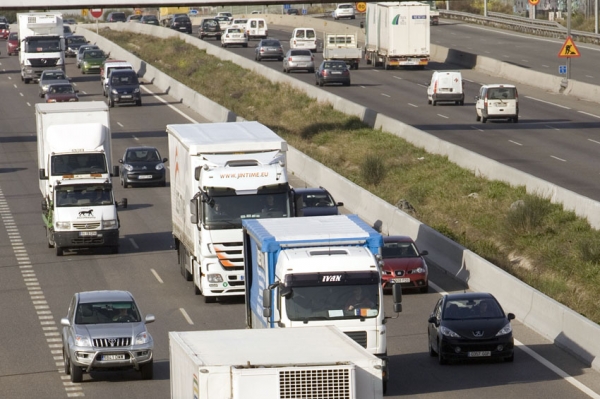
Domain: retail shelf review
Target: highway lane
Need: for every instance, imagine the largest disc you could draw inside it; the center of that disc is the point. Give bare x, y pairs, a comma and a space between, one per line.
147, 267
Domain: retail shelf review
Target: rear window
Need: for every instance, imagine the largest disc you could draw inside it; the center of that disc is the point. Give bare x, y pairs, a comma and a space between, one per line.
301, 52
502, 93
270, 43
345, 6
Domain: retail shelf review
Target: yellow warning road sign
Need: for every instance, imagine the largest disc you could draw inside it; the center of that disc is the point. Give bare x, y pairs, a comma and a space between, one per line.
362, 7
569, 49
534, 2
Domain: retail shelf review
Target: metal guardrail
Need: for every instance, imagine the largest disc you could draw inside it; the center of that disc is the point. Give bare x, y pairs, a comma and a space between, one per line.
523, 25
526, 20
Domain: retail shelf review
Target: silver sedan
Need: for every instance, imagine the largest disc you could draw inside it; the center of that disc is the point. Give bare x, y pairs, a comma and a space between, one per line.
297, 59
50, 77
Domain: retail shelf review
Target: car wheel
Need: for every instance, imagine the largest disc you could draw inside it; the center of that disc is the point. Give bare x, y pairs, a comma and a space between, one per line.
312, 70
321, 83
510, 359
59, 250
245, 45
147, 370
441, 358
41, 95
218, 37
139, 102
27, 81
462, 102
429, 102
424, 290
111, 103
477, 118
347, 83
516, 119
76, 373
67, 363
483, 120
280, 59
434, 103
432, 352
115, 249
201, 37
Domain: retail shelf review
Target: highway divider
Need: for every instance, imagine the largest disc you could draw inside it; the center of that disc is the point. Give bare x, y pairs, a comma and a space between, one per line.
549, 318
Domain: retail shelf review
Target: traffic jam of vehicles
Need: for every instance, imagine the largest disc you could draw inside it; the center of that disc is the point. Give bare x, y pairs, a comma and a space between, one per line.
259, 238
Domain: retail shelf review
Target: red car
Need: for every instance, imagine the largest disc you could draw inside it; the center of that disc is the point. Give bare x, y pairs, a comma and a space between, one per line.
12, 43
403, 264
4, 30
61, 92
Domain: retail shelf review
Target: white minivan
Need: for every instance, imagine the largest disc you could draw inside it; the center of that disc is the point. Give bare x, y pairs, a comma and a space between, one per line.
345, 10
257, 28
497, 101
446, 86
305, 38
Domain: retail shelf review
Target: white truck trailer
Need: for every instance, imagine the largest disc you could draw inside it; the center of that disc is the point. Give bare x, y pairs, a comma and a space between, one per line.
42, 43
343, 47
397, 34
223, 173
315, 362
74, 161
315, 271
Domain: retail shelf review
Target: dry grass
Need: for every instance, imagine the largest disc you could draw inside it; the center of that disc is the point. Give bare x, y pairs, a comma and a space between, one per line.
538, 242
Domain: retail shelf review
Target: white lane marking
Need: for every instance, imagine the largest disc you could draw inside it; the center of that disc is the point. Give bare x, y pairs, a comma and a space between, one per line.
120, 124
476, 128
525, 60
156, 275
547, 102
594, 141
552, 127
29, 105
443, 116
545, 66
134, 137
386, 95
133, 243
21, 94
84, 92
14, 84
169, 105
186, 316
588, 114
362, 87
9, 78
422, 85
413, 105
560, 159
514, 142
397, 77
539, 358
589, 76
468, 80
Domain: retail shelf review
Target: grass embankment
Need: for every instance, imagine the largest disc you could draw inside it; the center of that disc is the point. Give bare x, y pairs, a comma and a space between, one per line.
538, 242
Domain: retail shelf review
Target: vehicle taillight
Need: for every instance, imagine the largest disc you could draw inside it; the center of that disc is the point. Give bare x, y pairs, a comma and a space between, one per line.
266, 32
294, 42
290, 59
435, 87
325, 72
346, 72
312, 58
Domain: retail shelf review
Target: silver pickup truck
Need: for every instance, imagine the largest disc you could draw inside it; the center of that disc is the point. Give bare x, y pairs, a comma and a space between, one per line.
342, 47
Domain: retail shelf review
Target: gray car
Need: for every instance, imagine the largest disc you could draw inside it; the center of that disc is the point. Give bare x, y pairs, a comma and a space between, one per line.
79, 55
268, 48
297, 59
49, 77
105, 330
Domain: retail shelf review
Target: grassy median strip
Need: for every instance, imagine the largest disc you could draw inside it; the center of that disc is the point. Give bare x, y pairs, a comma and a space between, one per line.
545, 246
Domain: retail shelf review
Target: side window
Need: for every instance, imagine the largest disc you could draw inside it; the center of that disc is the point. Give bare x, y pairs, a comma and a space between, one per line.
261, 24
438, 310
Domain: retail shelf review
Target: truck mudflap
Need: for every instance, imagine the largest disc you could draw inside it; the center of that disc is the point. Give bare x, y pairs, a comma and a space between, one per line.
86, 239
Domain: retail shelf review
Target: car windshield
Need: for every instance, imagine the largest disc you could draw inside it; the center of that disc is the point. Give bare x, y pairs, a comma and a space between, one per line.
318, 200
93, 54
77, 40
479, 308
61, 89
83, 195
502, 93
234, 30
142, 155
399, 250
13, 36
107, 312
123, 79
54, 76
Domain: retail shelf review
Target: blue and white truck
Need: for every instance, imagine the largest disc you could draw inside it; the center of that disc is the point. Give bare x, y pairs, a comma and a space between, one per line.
322, 270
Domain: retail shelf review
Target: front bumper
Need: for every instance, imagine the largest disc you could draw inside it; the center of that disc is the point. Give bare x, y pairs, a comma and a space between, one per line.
125, 98
75, 239
416, 281
459, 349
448, 96
90, 68
92, 359
137, 177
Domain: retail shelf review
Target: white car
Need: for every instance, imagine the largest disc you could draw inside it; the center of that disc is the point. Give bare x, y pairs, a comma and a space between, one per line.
234, 37
345, 10
239, 23
497, 101
224, 22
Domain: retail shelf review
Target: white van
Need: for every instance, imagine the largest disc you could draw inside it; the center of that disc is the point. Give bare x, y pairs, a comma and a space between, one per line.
345, 10
257, 28
305, 38
446, 86
111, 66
497, 101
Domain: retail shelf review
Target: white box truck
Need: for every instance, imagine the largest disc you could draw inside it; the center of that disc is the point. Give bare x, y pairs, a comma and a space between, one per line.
74, 162
315, 271
221, 174
42, 43
343, 47
397, 34
315, 362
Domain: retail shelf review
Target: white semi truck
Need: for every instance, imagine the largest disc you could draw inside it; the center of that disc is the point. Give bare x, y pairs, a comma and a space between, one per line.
42, 43
315, 271
315, 362
221, 174
74, 161
397, 34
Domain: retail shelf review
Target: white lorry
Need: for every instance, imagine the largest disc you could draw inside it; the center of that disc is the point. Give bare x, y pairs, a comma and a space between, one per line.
315, 362
342, 47
223, 173
42, 43
74, 161
397, 34
315, 271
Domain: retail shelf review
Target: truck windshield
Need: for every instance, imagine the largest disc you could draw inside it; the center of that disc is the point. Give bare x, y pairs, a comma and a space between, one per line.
333, 302
42, 45
70, 164
83, 195
228, 211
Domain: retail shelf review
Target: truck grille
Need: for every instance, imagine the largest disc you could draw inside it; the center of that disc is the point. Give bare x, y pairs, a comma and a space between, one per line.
86, 226
111, 342
327, 383
359, 336
43, 62
230, 255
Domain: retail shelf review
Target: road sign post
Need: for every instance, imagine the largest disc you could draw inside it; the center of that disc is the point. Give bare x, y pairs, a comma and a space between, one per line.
96, 13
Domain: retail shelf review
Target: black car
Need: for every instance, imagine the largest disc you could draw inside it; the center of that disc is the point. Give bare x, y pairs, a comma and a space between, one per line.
123, 87
116, 17
332, 72
470, 326
149, 20
315, 202
209, 27
72, 44
268, 48
142, 166
292, 11
182, 24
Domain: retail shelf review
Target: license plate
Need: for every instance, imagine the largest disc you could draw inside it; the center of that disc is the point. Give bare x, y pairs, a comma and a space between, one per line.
401, 280
94, 66
113, 357
336, 73
480, 354
303, 64
88, 233
126, 96
144, 177
182, 28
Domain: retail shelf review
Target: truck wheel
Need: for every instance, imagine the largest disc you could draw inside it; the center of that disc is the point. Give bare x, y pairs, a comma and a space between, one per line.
67, 363
483, 120
384, 387
477, 118
111, 103
434, 103
59, 251
197, 290
27, 81
76, 373
49, 236
115, 249
147, 370
210, 299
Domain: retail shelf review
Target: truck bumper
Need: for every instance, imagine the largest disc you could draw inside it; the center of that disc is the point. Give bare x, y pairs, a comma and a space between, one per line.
385, 370
77, 239
35, 73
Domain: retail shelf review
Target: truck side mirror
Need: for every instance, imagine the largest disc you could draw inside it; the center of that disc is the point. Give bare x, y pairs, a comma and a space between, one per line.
397, 295
266, 303
44, 206
115, 171
197, 172
43, 174
194, 211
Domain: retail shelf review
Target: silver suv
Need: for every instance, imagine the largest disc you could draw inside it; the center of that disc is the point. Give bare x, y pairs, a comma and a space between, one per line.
105, 330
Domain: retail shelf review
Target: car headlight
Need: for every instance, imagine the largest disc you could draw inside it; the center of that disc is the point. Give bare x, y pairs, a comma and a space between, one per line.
160, 166
386, 272
137, 90
114, 91
127, 167
109, 223
82, 340
143, 338
507, 329
419, 270
63, 225
446, 332
51, 100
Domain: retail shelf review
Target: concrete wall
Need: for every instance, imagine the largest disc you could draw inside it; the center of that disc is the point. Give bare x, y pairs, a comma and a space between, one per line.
539, 312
